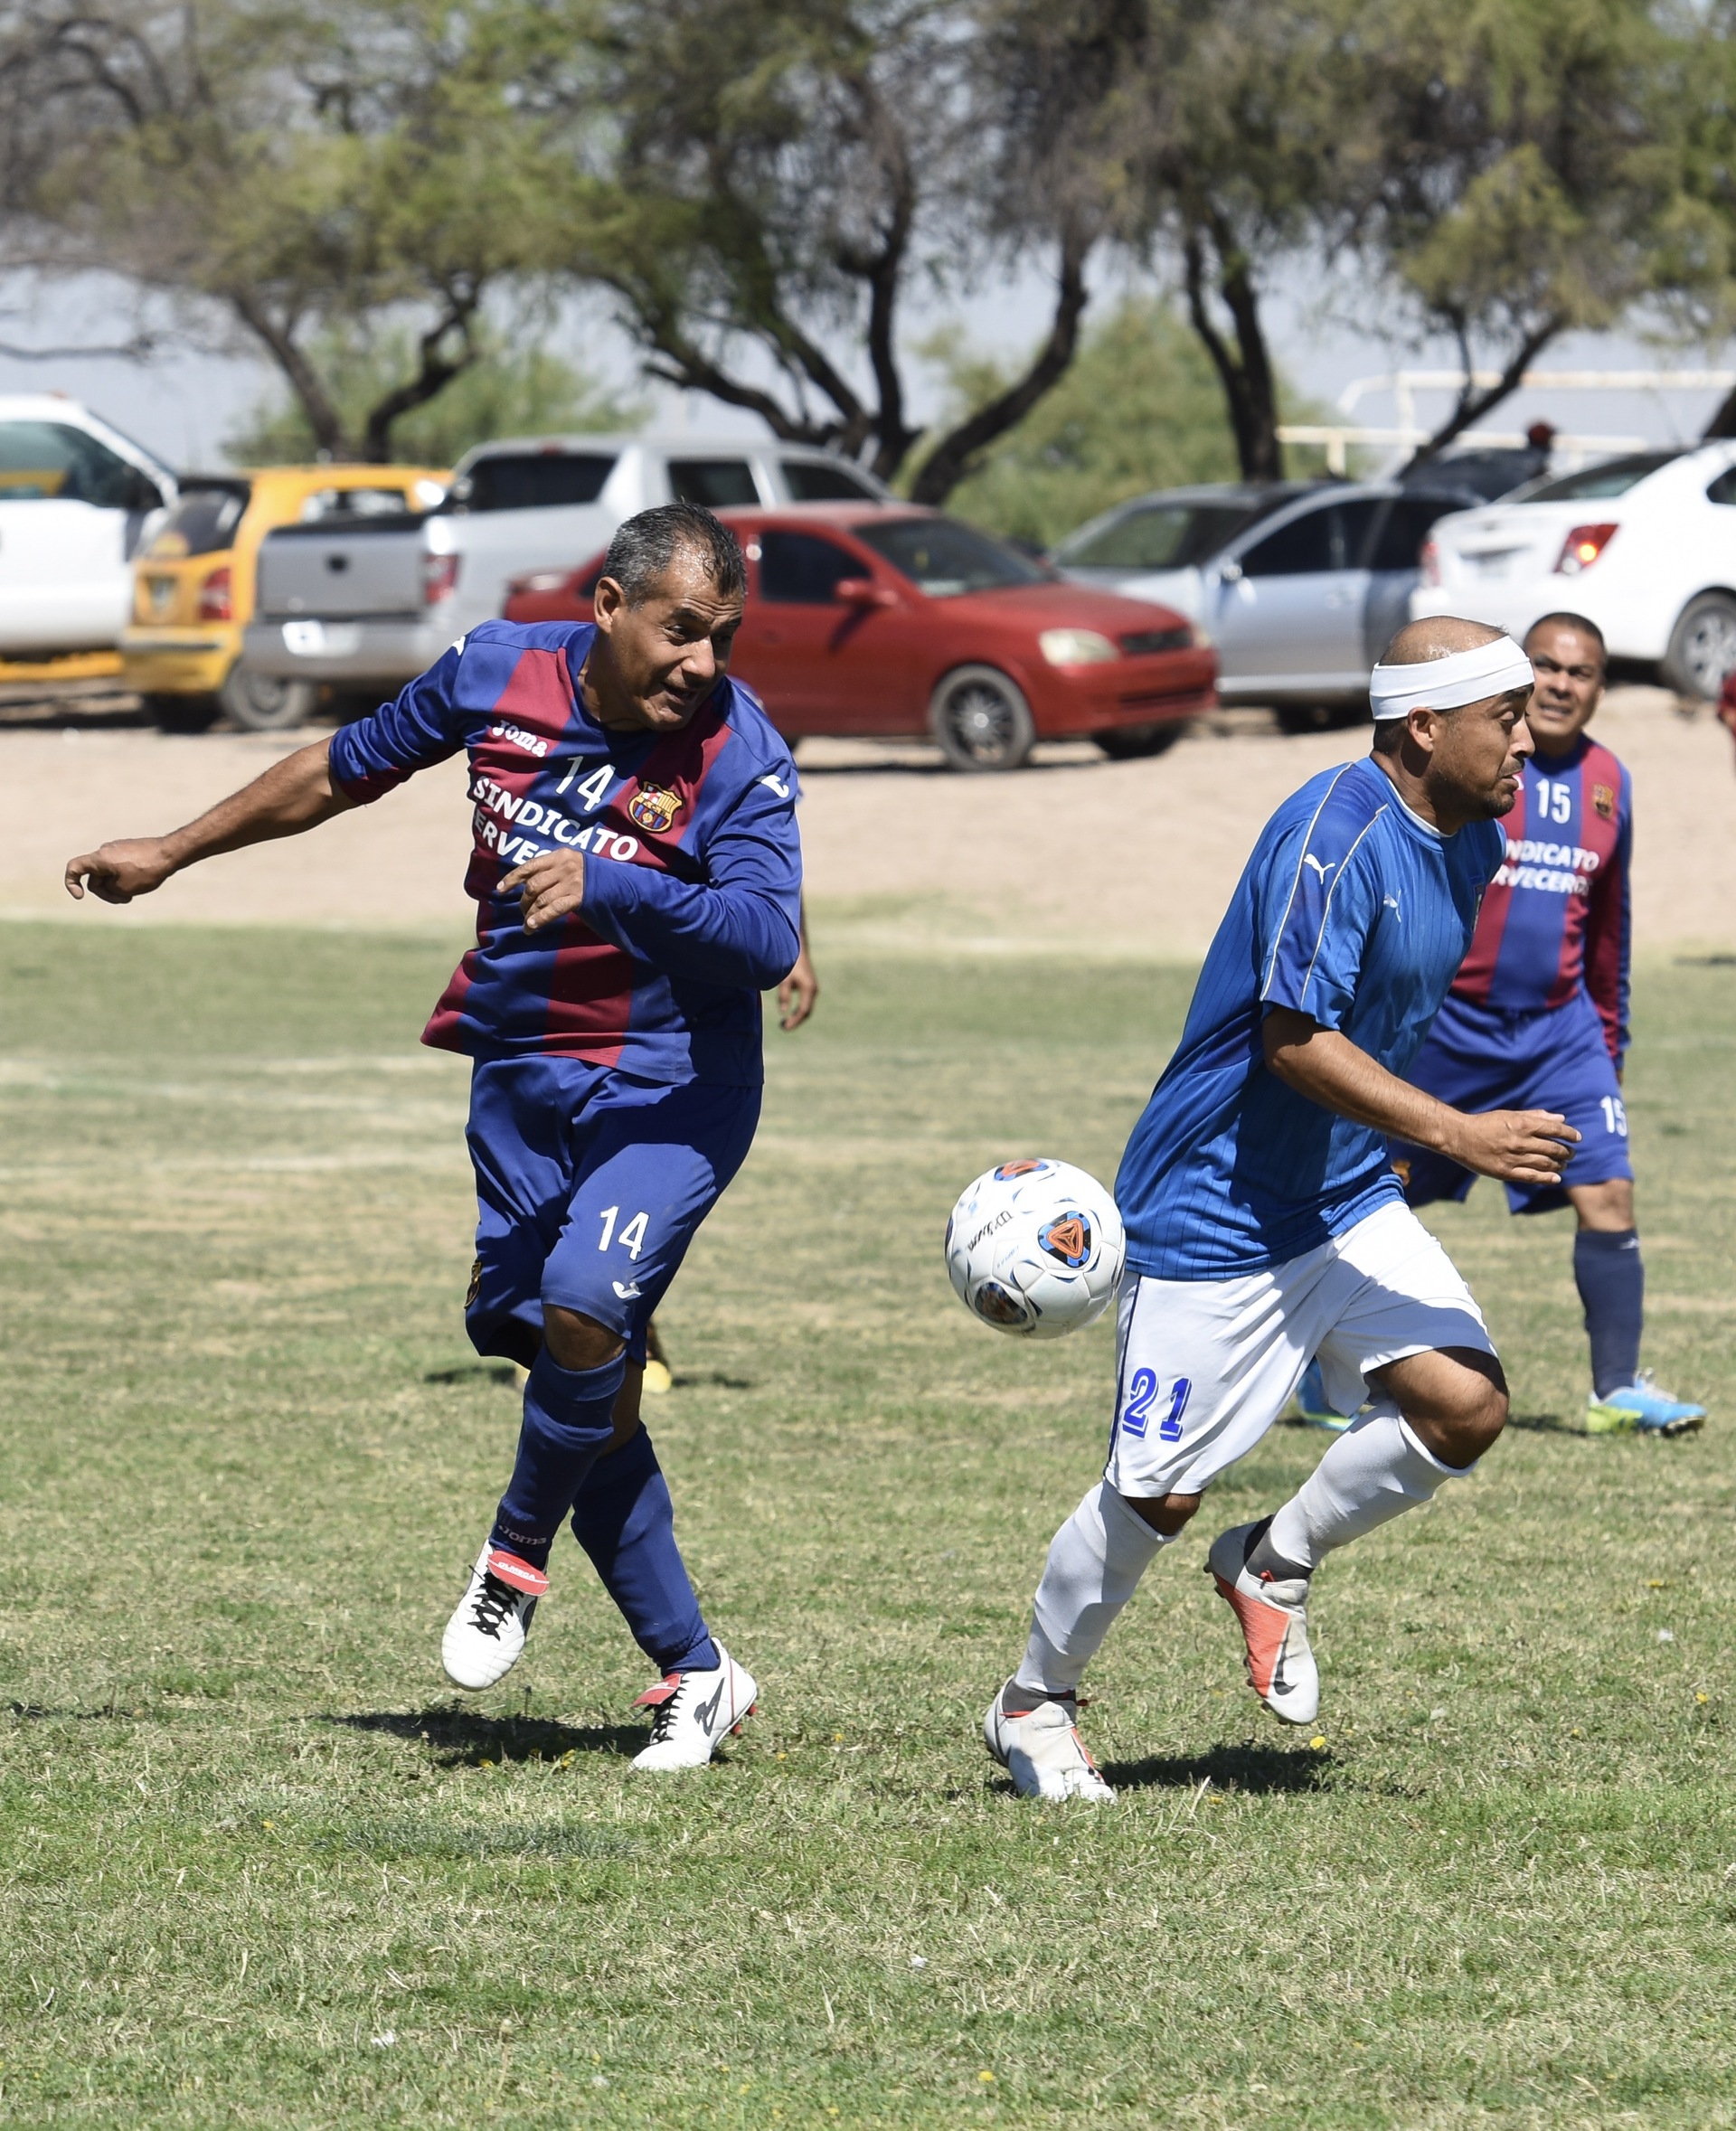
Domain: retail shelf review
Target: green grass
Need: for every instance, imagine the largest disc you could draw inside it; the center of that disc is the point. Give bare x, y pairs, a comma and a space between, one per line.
246, 1834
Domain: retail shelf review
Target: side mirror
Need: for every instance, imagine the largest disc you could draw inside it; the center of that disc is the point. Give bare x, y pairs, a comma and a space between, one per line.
1229, 571
863, 592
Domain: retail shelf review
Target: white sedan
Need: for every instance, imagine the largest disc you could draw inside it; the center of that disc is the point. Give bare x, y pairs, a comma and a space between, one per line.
1646, 546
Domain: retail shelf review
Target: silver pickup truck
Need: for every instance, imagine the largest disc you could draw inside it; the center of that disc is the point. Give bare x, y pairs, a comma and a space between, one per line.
363, 609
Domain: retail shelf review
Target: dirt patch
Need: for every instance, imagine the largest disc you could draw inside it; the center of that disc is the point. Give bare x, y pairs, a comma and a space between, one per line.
1110, 858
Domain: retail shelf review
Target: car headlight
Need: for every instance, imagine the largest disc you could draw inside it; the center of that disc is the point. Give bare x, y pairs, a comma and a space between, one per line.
1076, 647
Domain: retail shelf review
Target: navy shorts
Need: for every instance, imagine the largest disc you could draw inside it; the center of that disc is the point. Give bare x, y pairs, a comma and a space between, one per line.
1478, 1060
590, 1184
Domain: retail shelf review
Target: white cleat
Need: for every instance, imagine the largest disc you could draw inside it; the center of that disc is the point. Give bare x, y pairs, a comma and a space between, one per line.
1273, 1612
1039, 1747
485, 1638
695, 1713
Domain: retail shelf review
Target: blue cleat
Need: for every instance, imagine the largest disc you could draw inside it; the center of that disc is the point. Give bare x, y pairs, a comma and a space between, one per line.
1643, 1408
1309, 1408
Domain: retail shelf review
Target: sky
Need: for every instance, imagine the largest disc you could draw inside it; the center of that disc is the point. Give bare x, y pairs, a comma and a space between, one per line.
185, 400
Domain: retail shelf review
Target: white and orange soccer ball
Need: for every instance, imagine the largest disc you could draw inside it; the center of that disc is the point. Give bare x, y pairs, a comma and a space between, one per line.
1035, 1247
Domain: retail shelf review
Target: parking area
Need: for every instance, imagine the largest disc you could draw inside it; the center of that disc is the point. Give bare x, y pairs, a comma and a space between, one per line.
1100, 858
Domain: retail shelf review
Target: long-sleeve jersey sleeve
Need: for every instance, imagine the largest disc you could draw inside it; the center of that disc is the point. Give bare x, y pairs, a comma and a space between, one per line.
741, 926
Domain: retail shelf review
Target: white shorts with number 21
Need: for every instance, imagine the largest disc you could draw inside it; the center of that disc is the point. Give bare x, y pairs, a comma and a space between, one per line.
1204, 1367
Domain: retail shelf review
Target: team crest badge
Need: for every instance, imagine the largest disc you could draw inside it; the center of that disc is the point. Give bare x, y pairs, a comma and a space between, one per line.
653, 809
1604, 799
474, 1288
1401, 1169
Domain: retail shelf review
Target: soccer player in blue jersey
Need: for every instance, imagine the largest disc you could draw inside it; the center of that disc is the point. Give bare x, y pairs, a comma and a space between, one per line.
1265, 1223
637, 877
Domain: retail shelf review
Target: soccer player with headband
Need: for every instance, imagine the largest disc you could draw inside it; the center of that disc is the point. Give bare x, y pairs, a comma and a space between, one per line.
1265, 1222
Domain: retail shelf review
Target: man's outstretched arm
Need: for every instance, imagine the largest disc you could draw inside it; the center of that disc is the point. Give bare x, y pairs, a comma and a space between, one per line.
296, 794
1519, 1146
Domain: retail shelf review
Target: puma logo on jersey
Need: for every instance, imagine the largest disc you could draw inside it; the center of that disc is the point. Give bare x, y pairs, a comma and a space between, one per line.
1308, 859
782, 790
1391, 903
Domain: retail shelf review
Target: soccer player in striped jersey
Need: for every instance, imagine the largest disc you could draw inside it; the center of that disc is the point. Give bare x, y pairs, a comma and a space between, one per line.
1265, 1223
1537, 1016
637, 877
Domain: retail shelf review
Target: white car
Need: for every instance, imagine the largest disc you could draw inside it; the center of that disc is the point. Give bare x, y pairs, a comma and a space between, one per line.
77, 502
1645, 546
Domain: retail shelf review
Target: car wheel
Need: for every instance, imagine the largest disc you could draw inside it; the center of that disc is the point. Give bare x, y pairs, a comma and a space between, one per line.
182, 713
1703, 646
1127, 744
262, 702
981, 719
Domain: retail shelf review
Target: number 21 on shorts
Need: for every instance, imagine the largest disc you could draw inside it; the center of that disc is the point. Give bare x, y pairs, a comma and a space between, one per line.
1143, 1394
631, 1237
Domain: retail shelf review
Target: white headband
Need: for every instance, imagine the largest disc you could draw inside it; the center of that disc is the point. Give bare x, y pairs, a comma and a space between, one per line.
1448, 684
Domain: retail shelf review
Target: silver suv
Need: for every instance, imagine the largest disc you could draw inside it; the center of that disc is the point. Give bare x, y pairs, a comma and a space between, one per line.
1300, 585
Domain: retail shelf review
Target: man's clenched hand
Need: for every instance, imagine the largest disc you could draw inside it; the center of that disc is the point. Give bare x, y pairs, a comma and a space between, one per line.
552, 885
1518, 1147
116, 872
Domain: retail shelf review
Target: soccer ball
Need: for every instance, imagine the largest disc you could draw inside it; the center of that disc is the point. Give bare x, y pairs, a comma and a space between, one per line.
1035, 1247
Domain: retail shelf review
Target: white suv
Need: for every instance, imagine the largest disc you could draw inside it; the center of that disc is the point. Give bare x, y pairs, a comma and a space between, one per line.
1644, 545
77, 502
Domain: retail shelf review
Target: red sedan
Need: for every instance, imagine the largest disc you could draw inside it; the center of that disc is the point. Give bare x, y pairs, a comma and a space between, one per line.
900, 622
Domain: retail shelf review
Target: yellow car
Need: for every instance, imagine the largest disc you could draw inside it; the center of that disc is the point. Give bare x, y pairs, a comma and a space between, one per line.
192, 587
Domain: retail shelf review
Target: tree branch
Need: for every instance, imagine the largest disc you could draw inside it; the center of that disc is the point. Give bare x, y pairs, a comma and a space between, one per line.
1473, 405
954, 456
435, 372
299, 374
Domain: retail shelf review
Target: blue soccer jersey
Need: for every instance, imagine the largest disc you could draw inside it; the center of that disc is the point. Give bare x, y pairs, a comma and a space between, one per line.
1353, 910
693, 876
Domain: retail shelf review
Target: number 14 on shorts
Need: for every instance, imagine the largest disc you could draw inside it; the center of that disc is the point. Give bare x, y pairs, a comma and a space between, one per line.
1145, 1395
631, 1237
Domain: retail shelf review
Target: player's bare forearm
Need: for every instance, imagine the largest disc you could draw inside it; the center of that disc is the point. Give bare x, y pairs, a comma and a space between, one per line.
1518, 1147
293, 795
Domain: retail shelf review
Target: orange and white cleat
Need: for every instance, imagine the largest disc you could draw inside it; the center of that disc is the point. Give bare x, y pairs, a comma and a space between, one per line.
693, 1713
1274, 1616
1035, 1738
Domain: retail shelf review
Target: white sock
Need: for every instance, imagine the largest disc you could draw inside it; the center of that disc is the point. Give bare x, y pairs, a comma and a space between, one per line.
1095, 1562
1374, 1472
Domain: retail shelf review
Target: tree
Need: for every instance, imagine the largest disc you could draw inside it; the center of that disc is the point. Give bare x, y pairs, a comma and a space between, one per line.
283, 172
787, 172
1526, 176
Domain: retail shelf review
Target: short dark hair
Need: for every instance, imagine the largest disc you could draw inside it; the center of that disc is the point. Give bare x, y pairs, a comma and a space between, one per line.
643, 549
1583, 623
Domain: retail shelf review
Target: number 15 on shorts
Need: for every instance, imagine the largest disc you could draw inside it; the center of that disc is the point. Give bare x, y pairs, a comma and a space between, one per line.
1146, 1394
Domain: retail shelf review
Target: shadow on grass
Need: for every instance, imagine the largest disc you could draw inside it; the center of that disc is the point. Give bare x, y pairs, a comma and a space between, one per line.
474, 1373
463, 1737
712, 1379
1543, 1424
1262, 1769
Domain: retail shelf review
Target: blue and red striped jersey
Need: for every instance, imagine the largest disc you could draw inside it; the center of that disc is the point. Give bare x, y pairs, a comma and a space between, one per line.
1558, 912
693, 874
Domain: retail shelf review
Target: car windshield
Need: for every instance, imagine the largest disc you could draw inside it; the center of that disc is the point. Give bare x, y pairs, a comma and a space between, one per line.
1615, 476
1158, 536
944, 558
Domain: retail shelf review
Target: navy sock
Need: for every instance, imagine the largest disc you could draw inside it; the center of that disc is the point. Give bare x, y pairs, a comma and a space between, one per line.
625, 1520
569, 1417
1612, 1280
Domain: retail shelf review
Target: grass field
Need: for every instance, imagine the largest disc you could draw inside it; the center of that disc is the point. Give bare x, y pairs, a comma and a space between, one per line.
258, 1867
